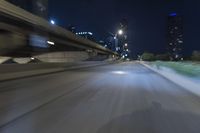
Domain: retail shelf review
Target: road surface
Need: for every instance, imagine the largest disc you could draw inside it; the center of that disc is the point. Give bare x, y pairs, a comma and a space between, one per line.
118, 98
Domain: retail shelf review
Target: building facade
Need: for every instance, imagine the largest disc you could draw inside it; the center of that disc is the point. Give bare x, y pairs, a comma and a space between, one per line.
87, 35
37, 7
175, 36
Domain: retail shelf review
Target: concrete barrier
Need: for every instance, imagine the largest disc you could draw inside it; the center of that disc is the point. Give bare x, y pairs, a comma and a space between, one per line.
61, 57
3, 59
22, 60
16, 71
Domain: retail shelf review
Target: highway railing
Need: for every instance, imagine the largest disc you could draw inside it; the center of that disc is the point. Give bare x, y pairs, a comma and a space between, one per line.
17, 14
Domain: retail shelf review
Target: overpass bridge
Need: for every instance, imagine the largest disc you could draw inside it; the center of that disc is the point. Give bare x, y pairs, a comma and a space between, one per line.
23, 34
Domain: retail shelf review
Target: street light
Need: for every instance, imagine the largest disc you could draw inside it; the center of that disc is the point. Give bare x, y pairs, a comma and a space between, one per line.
52, 22
50, 42
120, 32
126, 44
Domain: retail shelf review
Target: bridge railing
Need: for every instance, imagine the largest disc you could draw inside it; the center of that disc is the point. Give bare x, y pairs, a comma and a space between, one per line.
17, 14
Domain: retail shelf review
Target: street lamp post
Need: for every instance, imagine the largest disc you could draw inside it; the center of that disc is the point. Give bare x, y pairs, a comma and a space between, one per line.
120, 32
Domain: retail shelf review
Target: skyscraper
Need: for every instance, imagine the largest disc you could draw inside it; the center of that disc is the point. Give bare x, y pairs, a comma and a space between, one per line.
175, 36
37, 7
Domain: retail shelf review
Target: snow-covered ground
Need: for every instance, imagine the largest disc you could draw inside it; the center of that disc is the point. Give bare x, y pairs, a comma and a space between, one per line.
185, 74
188, 69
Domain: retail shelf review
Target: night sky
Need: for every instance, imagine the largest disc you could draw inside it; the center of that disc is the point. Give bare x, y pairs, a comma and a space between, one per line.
147, 20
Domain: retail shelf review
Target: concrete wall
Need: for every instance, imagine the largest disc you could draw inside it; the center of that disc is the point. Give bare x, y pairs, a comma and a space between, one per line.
22, 60
3, 59
59, 57
71, 56
10, 41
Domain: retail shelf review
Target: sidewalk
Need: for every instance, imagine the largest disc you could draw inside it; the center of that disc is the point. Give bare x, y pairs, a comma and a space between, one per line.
187, 83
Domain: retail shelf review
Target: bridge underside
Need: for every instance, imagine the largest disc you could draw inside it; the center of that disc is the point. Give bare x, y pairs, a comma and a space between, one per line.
23, 35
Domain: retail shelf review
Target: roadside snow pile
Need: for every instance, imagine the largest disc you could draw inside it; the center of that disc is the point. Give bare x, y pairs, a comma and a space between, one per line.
182, 74
189, 69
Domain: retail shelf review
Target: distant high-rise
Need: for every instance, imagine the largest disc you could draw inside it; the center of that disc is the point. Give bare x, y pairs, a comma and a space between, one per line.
87, 35
37, 7
175, 36
72, 29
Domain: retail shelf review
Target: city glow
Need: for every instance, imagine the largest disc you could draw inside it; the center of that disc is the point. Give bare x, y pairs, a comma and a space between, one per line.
84, 33
173, 14
90, 33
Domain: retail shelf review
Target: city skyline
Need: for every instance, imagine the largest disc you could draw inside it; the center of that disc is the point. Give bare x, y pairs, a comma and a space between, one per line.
147, 19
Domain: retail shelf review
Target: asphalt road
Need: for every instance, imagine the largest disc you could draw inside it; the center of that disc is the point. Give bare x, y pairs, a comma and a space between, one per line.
119, 98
